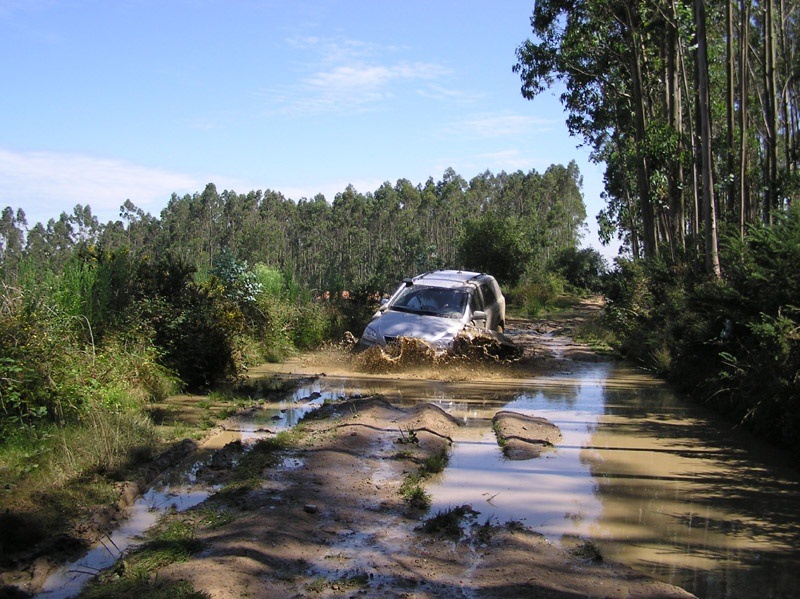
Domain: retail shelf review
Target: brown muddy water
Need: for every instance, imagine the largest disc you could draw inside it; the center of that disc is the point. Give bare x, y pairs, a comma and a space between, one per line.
652, 481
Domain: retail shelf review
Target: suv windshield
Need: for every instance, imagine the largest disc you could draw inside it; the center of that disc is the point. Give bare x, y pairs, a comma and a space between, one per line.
432, 301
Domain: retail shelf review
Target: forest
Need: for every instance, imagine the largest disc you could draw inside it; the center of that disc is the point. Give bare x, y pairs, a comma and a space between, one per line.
693, 108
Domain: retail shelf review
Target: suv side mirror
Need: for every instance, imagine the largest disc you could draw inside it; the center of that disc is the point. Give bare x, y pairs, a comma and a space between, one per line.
479, 315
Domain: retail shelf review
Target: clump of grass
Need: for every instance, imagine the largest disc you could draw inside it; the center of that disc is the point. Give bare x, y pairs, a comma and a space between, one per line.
436, 463
210, 518
413, 493
56, 476
263, 455
483, 533
600, 338
449, 523
588, 551
412, 490
515, 526
408, 437
172, 541
501, 438
145, 586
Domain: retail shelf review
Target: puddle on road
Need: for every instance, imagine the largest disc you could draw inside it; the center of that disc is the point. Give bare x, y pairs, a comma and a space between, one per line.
179, 489
654, 482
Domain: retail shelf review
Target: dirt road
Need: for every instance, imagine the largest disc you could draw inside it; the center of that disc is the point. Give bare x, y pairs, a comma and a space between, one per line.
338, 513
335, 524
334, 521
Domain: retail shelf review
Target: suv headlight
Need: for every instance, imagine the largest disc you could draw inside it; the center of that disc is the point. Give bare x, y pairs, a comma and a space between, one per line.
370, 335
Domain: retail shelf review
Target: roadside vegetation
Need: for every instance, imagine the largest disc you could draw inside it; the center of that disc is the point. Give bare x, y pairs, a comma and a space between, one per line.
692, 110
732, 343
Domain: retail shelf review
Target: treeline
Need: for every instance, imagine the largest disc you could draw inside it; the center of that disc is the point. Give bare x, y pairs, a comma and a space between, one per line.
357, 240
694, 108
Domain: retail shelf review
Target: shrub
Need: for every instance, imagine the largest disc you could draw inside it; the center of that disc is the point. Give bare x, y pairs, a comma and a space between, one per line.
496, 245
733, 343
532, 298
583, 270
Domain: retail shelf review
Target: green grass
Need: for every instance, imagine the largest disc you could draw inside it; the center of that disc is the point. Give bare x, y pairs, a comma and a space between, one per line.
144, 586
412, 490
172, 541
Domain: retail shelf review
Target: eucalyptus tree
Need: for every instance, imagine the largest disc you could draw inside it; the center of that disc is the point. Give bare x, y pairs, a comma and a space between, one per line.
682, 100
12, 239
594, 48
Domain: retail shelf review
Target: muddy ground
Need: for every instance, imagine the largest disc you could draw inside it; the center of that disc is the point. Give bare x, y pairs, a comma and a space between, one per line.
332, 520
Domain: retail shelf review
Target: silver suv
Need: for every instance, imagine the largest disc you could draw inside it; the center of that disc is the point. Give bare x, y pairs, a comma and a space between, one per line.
436, 307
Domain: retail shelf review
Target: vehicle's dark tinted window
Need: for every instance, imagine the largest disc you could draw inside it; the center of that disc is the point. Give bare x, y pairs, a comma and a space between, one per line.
488, 294
435, 301
475, 300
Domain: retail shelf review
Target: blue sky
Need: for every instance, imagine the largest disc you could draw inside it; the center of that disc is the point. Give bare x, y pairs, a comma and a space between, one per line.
108, 100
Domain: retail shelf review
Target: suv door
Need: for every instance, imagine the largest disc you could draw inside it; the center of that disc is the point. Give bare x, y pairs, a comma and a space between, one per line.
476, 305
489, 305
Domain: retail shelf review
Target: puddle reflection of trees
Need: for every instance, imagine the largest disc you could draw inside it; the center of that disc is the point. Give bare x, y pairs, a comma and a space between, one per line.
695, 492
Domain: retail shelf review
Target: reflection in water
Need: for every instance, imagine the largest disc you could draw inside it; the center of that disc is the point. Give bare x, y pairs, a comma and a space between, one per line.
654, 482
690, 501
179, 489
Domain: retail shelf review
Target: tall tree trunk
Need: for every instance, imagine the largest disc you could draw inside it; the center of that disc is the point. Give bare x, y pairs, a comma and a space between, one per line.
709, 209
642, 167
675, 120
729, 109
744, 106
771, 112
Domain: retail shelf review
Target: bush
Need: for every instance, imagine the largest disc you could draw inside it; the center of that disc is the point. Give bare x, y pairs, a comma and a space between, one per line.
733, 343
495, 245
533, 298
584, 270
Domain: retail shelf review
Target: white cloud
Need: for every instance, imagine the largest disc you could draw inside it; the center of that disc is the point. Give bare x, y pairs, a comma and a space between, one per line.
348, 75
502, 126
45, 184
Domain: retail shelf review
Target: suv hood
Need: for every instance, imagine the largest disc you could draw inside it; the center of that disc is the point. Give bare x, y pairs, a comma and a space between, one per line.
433, 329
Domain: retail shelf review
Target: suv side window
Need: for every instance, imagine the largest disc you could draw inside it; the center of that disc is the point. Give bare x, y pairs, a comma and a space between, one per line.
475, 300
488, 295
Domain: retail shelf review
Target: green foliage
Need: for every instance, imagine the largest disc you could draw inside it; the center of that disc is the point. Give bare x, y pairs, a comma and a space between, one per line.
171, 542
538, 294
195, 325
734, 343
449, 523
269, 281
310, 325
240, 284
582, 269
495, 245
142, 585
